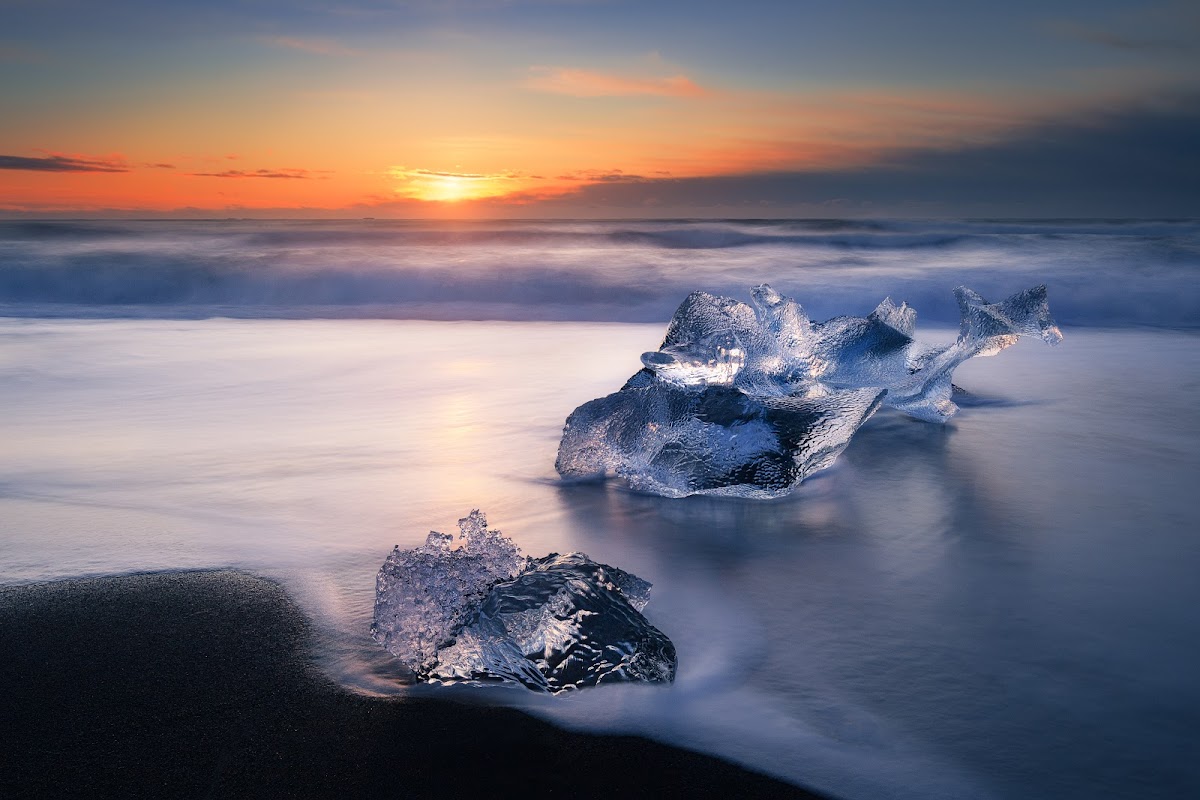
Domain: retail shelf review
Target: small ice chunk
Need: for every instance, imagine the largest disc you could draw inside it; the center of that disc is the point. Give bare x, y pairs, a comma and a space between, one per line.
986, 329
482, 613
563, 624
1024, 314
749, 400
423, 595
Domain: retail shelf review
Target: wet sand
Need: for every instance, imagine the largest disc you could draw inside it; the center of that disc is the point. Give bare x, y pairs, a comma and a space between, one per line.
200, 684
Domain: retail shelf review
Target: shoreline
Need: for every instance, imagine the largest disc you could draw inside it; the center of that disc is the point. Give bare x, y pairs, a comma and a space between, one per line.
202, 684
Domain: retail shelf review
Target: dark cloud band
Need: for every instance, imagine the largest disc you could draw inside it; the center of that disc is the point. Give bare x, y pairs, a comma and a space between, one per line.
59, 164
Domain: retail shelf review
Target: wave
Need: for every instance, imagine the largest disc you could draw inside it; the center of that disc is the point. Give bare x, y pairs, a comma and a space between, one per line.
669, 234
1100, 272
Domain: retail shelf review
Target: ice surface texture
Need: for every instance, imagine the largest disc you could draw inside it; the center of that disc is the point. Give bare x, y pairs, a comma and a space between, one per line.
748, 400
485, 613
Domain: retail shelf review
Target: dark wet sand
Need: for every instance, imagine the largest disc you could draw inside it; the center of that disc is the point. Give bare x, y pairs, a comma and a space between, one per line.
199, 684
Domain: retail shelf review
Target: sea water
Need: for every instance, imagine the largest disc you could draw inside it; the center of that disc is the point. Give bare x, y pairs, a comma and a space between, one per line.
1004, 606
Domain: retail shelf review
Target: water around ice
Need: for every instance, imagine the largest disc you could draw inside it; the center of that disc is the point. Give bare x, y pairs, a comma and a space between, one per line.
1003, 606
998, 607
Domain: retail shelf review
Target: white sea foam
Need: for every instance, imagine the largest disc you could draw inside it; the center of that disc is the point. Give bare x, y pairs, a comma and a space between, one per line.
1101, 273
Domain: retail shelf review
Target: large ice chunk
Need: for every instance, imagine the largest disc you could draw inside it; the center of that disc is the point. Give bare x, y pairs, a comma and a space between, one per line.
716, 440
483, 613
749, 400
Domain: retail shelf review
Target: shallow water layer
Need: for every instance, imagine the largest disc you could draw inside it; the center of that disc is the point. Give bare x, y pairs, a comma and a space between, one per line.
1004, 606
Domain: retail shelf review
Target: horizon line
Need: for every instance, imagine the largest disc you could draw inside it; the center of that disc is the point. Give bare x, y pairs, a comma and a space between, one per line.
889, 217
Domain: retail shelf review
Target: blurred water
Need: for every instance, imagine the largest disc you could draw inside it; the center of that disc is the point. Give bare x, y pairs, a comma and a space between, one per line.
1099, 272
1002, 607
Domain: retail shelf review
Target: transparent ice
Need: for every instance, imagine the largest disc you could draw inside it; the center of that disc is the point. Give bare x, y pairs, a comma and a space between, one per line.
748, 400
484, 613
424, 595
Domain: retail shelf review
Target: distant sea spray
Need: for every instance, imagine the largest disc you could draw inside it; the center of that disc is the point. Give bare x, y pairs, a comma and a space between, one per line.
1099, 272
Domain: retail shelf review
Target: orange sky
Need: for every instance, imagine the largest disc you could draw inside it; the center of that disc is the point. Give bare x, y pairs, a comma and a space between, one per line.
342, 155
520, 108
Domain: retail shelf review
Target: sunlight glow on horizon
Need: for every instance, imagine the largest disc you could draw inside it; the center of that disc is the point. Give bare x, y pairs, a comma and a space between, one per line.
431, 186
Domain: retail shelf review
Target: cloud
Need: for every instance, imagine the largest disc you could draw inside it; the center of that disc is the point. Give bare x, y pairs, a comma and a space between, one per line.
1123, 40
62, 163
1137, 161
402, 172
286, 174
314, 46
586, 83
601, 176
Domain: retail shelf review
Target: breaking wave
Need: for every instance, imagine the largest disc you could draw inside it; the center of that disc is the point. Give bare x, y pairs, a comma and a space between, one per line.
1100, 272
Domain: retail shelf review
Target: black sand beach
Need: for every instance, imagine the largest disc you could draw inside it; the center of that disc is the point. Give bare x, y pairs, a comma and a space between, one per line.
199, 684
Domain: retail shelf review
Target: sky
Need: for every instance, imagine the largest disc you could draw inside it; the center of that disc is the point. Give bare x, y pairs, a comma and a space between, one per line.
599, 108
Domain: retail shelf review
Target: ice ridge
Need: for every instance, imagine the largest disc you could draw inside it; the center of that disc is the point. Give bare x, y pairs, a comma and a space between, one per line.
748, 400
483, 613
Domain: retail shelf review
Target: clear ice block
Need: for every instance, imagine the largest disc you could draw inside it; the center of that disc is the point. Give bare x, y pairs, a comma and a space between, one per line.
748, 400
484, 613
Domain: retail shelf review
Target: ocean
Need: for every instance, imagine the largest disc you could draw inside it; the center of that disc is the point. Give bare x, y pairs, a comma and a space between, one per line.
1004, 606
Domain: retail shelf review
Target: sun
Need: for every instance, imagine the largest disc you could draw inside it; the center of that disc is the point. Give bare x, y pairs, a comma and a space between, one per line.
449, 189
436, 186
